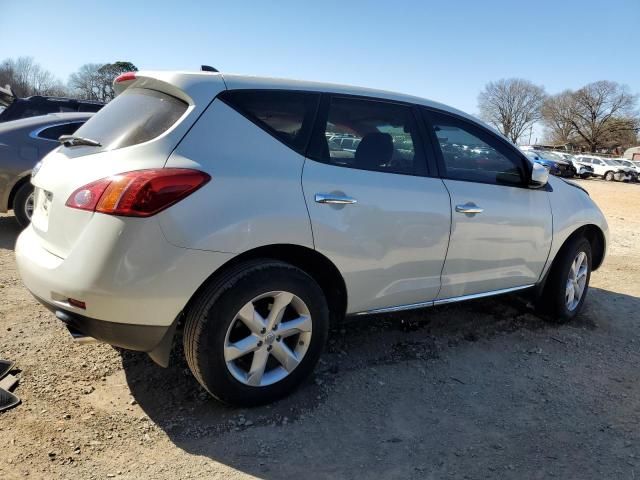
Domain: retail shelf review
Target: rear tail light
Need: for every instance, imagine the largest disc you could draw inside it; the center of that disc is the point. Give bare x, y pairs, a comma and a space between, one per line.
140, 193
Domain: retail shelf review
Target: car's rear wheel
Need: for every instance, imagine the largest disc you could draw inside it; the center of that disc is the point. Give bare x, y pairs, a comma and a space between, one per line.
609, 176
568, 281
23, 204
253, 335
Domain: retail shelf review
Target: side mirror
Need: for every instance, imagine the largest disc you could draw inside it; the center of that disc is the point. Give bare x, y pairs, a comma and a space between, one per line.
539, 176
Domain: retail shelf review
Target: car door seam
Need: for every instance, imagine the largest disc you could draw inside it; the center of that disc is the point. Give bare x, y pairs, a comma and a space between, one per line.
306, 205
446, 253
546, 263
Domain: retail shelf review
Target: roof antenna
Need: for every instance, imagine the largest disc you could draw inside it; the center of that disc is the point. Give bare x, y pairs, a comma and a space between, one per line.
207, 68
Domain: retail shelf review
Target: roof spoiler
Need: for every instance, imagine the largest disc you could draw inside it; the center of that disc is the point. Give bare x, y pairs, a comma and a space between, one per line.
208, 68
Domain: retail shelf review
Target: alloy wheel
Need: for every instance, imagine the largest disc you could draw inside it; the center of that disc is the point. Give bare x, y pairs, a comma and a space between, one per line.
29, 205
576, 281
268, 338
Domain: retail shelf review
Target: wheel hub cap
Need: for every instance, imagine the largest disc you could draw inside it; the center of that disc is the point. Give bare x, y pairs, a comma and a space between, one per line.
268, 338
576, 281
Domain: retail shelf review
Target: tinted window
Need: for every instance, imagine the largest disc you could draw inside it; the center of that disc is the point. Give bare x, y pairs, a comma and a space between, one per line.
89, 107
286, 115
135, 116
376, 135
472, 154
34, 110
53, 133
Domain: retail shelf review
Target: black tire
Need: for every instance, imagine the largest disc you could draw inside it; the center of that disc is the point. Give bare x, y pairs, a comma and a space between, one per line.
20, 204
584, 176
553, 300
210, 314
609, 176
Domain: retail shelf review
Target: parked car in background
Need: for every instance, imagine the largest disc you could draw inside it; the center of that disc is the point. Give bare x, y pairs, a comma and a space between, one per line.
632, 166
555, 166
23, 143
606, 168
154, 215
16, 108
582, 170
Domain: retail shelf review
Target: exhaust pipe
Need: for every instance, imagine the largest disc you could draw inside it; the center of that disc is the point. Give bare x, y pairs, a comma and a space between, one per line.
76, 335
81, 338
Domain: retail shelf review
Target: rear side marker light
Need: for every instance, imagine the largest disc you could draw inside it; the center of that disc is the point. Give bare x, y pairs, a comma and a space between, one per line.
77, 303
140, 193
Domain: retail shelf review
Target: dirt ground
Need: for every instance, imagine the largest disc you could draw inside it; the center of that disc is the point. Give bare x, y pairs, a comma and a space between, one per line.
478, 390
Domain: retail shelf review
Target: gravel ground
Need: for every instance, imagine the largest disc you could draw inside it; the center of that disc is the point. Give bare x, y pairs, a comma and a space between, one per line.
478, 390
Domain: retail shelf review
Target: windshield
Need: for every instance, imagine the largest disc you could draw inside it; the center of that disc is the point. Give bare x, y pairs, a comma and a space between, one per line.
610, 162
135, 116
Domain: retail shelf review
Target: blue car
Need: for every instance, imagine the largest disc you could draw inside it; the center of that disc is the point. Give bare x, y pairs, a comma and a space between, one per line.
558, 168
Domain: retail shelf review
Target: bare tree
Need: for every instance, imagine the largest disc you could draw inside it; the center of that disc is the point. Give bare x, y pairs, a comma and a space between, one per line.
600, 114
596, 106
94, 81
556, 116
28, 78
86, 82
511, 105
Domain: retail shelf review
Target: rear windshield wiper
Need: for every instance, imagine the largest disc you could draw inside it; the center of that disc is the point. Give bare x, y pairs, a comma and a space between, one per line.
72, 141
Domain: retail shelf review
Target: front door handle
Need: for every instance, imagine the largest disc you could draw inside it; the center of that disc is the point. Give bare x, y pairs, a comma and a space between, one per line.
334, 199
469, 208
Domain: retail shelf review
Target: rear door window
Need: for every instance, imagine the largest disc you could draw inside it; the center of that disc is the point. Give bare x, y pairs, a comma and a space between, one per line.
376, 135
135, 116
287, 115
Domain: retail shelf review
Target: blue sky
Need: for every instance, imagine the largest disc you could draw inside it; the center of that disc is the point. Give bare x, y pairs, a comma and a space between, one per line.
443, 50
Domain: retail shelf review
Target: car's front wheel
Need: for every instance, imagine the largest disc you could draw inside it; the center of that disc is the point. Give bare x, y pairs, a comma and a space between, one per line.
609, 176
253, 335
568, 281
23, 204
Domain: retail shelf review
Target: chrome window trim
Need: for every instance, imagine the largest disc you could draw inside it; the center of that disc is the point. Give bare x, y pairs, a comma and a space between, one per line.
444, 301
36, 133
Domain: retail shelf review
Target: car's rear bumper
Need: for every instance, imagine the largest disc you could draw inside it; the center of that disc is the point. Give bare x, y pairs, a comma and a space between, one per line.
143, 338
124, 274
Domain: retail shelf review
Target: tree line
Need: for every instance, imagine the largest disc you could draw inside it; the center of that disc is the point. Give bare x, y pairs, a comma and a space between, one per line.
599, 116
92, 81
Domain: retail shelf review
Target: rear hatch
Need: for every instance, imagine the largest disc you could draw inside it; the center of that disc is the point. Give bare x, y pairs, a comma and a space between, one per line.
137, 130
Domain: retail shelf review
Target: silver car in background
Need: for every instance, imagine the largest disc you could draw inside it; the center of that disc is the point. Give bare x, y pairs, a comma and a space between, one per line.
23, 143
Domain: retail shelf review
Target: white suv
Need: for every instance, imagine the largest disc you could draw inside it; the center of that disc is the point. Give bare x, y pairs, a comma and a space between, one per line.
214, 202
606, 168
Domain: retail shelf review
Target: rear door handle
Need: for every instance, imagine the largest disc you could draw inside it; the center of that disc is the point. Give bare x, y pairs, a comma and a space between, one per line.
469, 208
334, 199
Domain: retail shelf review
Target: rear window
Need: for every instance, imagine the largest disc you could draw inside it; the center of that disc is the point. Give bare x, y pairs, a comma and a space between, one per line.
135, 116
287, 115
